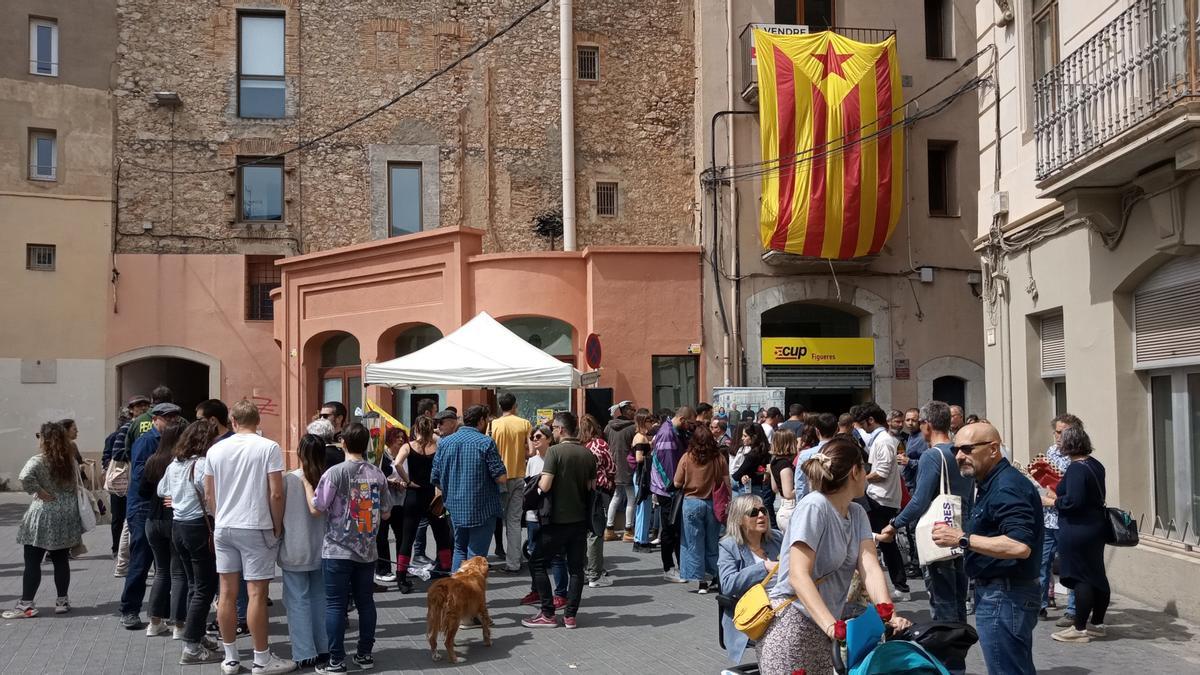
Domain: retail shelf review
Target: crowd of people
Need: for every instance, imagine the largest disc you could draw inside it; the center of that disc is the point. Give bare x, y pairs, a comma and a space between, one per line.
803, 504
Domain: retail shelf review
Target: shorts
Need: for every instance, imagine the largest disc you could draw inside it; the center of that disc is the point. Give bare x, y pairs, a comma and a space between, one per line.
251, 552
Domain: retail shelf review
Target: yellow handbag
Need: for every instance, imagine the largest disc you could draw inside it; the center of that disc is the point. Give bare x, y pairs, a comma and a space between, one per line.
753, 612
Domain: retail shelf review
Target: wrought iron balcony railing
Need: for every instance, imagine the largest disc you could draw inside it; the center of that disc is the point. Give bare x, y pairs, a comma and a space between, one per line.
1135, 67
750, 67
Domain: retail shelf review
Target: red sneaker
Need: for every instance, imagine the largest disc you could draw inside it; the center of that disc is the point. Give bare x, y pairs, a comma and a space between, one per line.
540, 621
532, 599
559, 602
568, 622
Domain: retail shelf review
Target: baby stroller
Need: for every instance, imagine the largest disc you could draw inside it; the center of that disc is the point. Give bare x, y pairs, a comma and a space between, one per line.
867, 648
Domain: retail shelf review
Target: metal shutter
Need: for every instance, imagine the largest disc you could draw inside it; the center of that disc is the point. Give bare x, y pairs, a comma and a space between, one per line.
1054, 347
1166, 316
818, 377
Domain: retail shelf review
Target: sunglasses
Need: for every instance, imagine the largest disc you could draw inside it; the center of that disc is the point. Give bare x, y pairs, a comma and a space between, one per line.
537, 437
325, 416
756, 512
967, 448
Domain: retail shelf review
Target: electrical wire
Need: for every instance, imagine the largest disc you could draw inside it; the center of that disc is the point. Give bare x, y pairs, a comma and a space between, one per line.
478, 47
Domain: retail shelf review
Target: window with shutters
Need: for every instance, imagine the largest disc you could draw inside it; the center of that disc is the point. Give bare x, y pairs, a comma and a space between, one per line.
1166, 316
1053, 347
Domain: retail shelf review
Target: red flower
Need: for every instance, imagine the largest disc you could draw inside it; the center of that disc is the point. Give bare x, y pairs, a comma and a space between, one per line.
885, 610
374, 433
839, 630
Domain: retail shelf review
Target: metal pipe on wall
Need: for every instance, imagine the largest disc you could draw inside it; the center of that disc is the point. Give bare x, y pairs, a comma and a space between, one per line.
566, 68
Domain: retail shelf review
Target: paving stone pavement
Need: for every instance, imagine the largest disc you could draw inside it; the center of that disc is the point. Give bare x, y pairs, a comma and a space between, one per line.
639, 625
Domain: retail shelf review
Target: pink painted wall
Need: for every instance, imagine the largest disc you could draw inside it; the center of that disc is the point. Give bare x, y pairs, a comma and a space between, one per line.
439, 277
198, 302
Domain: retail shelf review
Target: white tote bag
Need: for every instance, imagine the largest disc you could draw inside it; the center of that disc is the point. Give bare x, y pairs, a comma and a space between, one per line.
945, 508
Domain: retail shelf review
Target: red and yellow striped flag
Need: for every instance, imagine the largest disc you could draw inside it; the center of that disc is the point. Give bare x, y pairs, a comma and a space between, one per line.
830, 110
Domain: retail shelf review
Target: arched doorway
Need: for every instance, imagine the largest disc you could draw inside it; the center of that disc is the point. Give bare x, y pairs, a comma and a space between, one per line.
340, 372
405, 401
554, 337
793, 333
950, 389
191, 376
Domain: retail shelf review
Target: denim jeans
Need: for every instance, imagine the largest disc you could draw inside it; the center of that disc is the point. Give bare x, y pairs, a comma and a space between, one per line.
622, 499
513, 515
168, 594
200, 568
698, 553
946, 581
304, 600
470, 542
1005, 615
1049, 548
419, 542
558, 565
641, 519
569, 539
140, 558
343, 577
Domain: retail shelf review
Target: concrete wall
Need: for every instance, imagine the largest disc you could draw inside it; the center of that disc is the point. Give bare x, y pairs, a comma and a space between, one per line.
920, 239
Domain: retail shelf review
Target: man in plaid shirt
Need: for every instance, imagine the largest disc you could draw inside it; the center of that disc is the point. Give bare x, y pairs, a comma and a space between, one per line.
468, 470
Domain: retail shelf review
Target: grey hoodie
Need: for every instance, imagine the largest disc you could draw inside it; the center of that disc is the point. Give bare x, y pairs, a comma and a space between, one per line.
619, 436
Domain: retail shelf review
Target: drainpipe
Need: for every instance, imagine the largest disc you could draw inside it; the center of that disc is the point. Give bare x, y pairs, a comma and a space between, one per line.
732, 345
566, 72
716, 187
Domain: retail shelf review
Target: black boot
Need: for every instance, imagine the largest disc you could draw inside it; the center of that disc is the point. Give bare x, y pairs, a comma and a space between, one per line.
403, 583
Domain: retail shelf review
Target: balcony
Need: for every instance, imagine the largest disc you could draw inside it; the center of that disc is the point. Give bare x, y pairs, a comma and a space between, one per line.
750, 66
1118, 103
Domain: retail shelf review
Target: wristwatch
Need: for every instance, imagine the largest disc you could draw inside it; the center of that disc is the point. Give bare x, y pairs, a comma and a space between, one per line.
964, 542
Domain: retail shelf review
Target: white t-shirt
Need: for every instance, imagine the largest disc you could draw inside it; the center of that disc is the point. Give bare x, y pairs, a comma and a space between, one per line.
239, 466
533, 467
882, 455
768, 430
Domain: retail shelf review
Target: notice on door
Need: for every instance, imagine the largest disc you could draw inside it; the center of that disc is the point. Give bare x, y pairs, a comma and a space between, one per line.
818, 351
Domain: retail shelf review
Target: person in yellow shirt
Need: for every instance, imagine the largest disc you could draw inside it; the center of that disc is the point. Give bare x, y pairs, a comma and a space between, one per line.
511, 433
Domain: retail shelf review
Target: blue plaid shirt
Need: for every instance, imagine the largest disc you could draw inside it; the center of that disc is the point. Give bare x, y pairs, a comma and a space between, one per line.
465, 467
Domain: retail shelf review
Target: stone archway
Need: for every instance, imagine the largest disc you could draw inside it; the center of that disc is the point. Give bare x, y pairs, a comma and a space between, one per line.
826, 292
114, 364
953, 366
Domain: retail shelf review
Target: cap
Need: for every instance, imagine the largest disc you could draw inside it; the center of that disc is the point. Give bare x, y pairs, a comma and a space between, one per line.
164, 409
623, 404
445, 415
138, 399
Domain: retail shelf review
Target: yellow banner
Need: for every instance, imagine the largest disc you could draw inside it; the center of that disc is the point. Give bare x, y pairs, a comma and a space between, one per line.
391, 421
818, 351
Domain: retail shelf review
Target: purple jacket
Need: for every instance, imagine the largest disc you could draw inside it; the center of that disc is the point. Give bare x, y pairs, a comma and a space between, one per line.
668, 449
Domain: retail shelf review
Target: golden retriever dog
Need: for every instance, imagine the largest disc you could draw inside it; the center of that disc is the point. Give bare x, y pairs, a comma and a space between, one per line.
457, 598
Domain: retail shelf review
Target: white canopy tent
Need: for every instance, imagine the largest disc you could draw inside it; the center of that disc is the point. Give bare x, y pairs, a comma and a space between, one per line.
482, 354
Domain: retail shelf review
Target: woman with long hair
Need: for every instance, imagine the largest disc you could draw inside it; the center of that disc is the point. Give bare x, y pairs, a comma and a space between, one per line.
1082, 530
828, 539
752, 475
300, 556
748, 553
183, 485
783, 472
539, 442
51, 525
393, 439
168, 594
698, 474
641, 446
419, 502
591, 437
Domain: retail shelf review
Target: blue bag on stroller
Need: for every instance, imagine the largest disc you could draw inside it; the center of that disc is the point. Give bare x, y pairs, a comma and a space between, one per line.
865, 654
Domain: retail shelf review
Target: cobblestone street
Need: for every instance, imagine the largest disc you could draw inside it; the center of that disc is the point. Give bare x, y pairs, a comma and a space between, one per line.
639, 625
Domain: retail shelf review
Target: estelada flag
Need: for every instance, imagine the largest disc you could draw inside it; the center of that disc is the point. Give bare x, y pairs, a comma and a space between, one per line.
830, 110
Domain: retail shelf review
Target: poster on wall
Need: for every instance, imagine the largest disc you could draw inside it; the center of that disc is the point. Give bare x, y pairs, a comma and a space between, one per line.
736, 399
544, 415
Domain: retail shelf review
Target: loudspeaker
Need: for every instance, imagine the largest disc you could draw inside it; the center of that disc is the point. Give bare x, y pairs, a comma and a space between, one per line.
597, 402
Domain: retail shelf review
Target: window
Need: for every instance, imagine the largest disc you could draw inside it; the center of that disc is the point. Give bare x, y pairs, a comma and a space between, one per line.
1175, 432
43, 47
943, 200
40, 257
1053, 346
674, 380
556, 338
588, 61
816, 14
939, 29
340, 373
606, 199
1045, 36
1166, 316
262, 277
260, 189
1058, 387
404, 198
261, 89
43, 155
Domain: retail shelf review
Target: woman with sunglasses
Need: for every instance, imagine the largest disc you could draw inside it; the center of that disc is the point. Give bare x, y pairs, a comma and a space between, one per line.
641, 447
415, 458
539, 441
829, 538
748, 553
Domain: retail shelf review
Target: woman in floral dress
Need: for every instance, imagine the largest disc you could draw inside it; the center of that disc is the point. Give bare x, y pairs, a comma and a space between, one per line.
51, 524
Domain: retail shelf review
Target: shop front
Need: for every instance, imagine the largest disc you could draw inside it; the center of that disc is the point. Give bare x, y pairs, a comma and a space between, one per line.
822, 374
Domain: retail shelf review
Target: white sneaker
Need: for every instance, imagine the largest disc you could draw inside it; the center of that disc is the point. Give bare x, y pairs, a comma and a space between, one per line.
421, 561
603, 581
389, 578
177, 632
1069, 634
1098, 630
274, 665
155, 629
62, 605
901, 596
231, 667
672, 575
656, 542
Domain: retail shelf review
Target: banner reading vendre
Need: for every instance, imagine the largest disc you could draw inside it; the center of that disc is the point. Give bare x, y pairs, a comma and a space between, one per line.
830, 110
